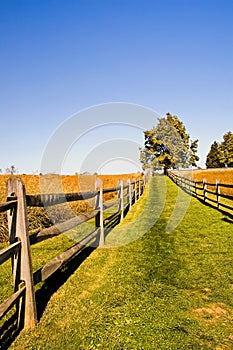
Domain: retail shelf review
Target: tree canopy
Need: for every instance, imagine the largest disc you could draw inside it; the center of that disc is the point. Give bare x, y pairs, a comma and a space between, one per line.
221, 155
227, 149
213, 159
168, 145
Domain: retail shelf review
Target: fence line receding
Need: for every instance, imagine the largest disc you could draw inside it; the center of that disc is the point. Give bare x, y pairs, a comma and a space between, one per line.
216, 194
19, 249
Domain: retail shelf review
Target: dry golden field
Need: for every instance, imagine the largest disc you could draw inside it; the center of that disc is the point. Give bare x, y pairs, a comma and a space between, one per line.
70, 183
223, 175
39, 218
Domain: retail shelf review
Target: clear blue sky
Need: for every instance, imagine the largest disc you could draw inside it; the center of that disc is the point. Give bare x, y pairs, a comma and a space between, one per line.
59, 57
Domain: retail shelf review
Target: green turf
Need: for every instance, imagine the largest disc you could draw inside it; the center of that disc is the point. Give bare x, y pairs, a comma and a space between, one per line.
158, 289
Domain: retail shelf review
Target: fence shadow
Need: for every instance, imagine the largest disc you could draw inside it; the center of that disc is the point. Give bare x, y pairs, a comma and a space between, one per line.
9, 331
229, 219
53, 283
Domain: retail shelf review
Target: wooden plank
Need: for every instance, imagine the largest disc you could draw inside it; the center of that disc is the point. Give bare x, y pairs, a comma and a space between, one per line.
47, 270
129, 194
121, 200
211, 192
7, 205
212, 200
8, 252
99, 222
226, 185
15, 263
211, 184
41, 200
204, 189
12, 300
199, 188
227, 196
57, 229
217, 194
225, 206
109, 190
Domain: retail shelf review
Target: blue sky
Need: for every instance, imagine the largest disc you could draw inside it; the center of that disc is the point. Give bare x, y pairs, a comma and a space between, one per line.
59, 57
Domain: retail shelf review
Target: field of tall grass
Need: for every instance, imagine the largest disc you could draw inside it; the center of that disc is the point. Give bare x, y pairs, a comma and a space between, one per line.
38, 218
70, 183
223, 175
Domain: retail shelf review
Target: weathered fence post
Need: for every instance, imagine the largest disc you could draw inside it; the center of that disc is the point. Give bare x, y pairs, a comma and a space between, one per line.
129, 194
25, 275
121, 199
218, 193
134, 190
139, 187
204, 190
15, 261
99, 219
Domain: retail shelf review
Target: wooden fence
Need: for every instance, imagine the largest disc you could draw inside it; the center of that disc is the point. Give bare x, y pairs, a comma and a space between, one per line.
217, 195
19, 251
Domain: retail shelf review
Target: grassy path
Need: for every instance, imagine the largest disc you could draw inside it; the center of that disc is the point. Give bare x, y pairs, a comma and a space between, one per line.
162, 291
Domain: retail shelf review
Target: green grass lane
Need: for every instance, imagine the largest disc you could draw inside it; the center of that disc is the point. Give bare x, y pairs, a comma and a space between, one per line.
161, 290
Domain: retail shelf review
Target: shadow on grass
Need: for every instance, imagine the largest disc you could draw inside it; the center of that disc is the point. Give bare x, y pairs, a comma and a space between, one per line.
228, 219
53, 283
10, 329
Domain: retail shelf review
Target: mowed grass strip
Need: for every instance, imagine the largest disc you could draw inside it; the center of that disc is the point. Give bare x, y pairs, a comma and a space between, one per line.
161, 291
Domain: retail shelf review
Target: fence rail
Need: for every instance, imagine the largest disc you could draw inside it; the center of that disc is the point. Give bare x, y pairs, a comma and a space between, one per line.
208, 192
7, 205
19, 251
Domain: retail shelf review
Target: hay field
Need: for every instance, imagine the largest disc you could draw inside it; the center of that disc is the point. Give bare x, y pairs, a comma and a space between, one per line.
39, 218
223, 175
69, 183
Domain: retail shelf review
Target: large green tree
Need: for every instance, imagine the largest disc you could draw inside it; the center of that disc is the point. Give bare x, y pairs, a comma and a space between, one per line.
226, 148
168, 145
213, 159
221, 155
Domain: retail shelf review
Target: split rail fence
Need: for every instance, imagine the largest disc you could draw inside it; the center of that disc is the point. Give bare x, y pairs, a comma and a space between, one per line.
19, 251
217, 195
